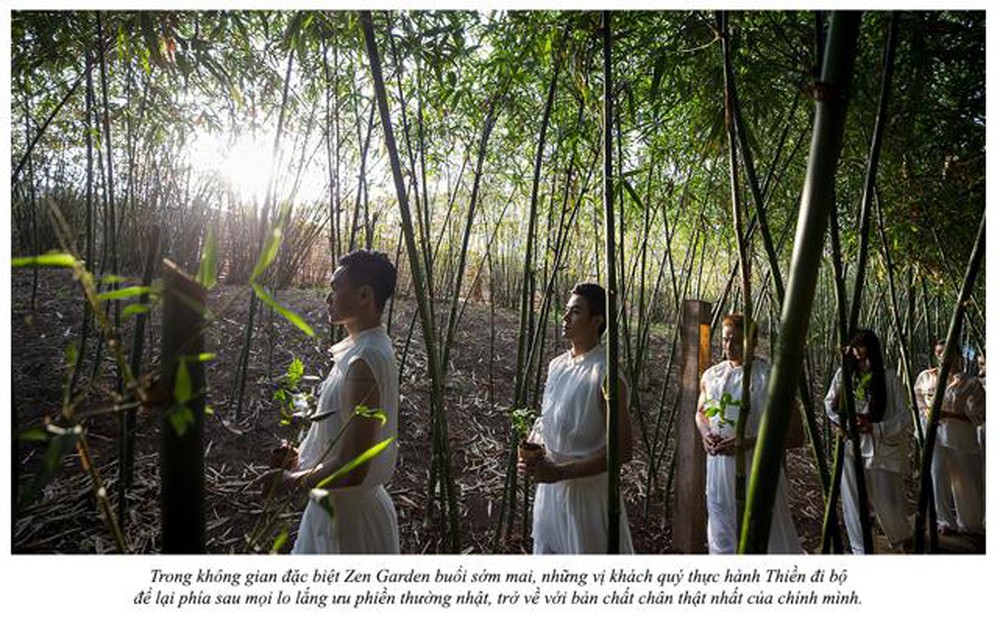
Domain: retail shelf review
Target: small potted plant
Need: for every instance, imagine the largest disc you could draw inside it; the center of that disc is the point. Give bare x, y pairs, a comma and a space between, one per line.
522, 420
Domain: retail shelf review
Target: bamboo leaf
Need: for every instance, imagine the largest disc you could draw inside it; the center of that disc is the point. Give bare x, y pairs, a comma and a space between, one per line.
661, 63
267, 256
56, 260
135, 290
365, 412
182, 383
279, 542
288, 314
134, 309
33, 434
354, 463
181, 417
208, 268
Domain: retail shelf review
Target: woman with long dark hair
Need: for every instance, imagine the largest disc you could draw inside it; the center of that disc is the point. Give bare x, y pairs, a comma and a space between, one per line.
884, 430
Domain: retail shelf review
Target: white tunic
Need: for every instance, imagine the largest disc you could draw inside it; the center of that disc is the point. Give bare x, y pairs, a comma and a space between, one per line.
886, 456
571, 516
364, 519
957, 467
720, 480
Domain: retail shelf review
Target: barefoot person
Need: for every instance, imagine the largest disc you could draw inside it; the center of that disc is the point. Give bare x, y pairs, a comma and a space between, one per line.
571, 502
957, 464
364, 375
716, 421
884, 427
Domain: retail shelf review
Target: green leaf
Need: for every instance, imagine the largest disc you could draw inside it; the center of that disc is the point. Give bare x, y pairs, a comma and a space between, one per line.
208, 268
61, 441
357, 461
661, 63
323, 499
182, 383
288, 314
33, 434
181, 417
60, 260
135, 308
267, 256
135, 290
294, 373
365, 412
632, 192
279, 542
203, 357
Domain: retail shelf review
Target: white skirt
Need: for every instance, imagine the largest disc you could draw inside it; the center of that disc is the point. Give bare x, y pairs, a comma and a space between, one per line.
571, 517
363, 522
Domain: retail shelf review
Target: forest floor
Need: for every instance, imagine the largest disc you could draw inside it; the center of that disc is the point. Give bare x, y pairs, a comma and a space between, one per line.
65, 518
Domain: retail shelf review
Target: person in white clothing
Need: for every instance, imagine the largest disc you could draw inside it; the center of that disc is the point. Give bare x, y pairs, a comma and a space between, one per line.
716, 417
353, 514
884, 430
957, 464
571, 501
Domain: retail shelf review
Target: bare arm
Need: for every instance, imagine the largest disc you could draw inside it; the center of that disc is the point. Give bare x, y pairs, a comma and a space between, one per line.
360, 434
544, 470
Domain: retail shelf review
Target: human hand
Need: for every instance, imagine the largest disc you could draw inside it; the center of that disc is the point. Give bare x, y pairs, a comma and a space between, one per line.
284, 456
864, 423
725, 446
275, 482
540, 469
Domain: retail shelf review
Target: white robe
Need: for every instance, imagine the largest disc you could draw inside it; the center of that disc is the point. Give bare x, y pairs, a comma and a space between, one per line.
571, 516
364, 518
957, 465
886, 457
720, 480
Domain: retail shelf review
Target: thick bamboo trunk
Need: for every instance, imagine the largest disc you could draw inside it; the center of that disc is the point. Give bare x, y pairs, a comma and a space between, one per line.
817, 202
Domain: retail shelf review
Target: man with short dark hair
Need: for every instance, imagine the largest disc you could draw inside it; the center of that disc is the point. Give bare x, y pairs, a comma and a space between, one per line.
571, 500
356, 514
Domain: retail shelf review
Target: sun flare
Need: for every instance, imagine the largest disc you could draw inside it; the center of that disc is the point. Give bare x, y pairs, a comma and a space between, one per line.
244, 163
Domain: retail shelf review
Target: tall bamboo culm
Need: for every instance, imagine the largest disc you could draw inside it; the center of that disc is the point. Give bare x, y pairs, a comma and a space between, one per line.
817, 201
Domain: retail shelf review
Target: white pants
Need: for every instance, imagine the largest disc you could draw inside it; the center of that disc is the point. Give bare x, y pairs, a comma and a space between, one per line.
958, 488
886, 495
720, 494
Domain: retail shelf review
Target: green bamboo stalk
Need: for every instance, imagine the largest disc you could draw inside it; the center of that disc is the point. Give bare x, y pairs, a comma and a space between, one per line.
614, 499
904, 352
742, 251
416, 269
816, 204
888, 59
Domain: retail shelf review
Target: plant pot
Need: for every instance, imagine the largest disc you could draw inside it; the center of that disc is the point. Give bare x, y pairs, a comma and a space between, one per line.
529, 451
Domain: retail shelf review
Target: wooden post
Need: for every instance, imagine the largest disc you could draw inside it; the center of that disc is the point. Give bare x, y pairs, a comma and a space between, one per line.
182, 467
690, 513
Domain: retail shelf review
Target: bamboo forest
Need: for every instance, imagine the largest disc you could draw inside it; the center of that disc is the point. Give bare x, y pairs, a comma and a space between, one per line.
783, 213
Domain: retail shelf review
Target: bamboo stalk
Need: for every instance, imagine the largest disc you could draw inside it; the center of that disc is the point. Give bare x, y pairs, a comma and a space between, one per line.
816, 204
614, 473
416, 271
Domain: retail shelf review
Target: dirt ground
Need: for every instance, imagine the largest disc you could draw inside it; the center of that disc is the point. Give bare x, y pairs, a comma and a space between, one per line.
66, 518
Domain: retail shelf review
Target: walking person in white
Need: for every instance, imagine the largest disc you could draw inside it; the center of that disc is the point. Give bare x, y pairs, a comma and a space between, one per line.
884, 428
364, 375
718, 432
957, 464
571, 502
